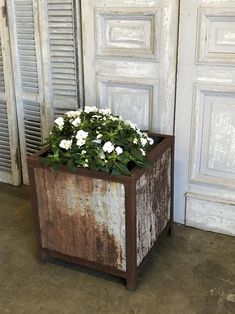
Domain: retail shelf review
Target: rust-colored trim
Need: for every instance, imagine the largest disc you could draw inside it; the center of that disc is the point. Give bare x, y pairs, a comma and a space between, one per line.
171, 229
131, 236
136, 172
34, 201
153, 156
85, 263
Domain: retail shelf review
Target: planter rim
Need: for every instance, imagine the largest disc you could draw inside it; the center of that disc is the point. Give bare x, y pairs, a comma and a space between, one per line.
136, 172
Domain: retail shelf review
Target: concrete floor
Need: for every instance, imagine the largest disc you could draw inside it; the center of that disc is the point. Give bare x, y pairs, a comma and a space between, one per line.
192, 272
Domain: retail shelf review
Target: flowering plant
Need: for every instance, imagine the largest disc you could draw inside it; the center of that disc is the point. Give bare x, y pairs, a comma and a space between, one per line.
96, 139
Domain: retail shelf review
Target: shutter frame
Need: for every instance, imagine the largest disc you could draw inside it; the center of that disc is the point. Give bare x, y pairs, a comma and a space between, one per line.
25, 43
8, 119
54, 32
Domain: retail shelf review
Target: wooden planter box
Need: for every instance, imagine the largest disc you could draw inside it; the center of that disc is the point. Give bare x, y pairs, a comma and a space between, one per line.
110, 223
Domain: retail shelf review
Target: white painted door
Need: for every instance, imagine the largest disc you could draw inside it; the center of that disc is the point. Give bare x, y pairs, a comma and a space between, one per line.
205, 115
129, 50
10, 171
45, 45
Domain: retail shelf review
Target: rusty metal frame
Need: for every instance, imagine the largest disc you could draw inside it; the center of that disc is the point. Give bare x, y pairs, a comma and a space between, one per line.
132, 271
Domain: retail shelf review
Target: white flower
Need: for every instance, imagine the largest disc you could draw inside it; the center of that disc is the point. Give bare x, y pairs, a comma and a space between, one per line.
60, 122
96, 116
119, 150
89, 109
143, 152
102, 155
132, 125
139, 132
105, 111
150, 140
135, 140
86, 165
66, 144
113, 118
76, 122
97, 141
143, 141
81, 135
73, 114
83, 152
108, 147
99, 136
81, 142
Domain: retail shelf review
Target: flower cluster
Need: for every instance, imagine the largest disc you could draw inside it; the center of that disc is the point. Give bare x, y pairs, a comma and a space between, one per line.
96, 139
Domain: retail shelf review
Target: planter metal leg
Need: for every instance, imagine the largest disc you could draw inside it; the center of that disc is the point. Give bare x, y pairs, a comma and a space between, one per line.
131, 283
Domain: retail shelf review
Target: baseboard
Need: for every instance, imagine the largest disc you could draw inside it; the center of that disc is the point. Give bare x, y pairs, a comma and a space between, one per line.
217, 215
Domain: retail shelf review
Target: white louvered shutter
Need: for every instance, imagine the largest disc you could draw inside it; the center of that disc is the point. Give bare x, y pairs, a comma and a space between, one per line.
46, 54
25, 43
60, 32
9, 152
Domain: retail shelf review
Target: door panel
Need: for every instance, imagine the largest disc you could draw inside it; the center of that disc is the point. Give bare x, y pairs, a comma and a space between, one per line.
129, 59
205, 116
10, 171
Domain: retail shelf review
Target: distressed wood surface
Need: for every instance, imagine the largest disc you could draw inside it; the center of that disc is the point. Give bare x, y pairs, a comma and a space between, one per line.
82, 217
10, 171
46, 54
153, 201
218, 213
129, 51
205, 115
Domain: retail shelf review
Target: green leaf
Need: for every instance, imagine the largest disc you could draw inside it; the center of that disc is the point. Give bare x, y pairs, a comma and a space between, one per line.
122, 168
137, 154
144, 164
70, 165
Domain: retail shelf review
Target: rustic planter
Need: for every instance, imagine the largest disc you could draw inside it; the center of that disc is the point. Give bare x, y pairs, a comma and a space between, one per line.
110, 223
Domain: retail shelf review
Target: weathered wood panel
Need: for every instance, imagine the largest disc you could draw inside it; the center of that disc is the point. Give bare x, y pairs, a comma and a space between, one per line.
93, 211
153, 202
119, 37
10, 171
205, 115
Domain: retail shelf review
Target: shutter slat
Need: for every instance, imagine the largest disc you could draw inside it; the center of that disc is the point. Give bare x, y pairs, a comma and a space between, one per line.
32, 123
5, 150
63, 60
28, 77
2, 85
26, 46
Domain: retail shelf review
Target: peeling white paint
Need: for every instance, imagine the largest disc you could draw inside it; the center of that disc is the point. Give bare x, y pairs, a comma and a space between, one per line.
205, 116
153, 200
132, 41
109, 209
